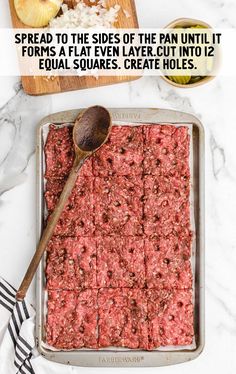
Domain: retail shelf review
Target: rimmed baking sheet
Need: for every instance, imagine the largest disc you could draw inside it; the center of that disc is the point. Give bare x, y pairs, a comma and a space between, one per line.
194, 202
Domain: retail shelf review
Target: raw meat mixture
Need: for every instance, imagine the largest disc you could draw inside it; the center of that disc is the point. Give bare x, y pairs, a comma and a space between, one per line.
118, 265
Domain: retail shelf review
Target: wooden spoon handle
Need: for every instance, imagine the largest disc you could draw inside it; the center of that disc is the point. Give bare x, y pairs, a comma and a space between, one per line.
47, 234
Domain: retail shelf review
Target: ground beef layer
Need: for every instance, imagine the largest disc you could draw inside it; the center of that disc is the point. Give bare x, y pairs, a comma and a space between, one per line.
119, 317
119, 263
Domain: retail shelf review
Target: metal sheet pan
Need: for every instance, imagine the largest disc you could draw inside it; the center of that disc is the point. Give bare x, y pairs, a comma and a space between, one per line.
45, 130
118, 357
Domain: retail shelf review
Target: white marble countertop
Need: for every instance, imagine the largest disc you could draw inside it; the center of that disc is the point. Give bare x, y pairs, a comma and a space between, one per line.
213, 103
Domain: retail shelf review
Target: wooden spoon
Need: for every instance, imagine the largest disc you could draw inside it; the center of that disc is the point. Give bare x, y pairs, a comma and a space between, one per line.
90, 132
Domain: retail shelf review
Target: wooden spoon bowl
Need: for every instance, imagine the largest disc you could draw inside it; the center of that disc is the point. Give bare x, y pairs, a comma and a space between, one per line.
88, 138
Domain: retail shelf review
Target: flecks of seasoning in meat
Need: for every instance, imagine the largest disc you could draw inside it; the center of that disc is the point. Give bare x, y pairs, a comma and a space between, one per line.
72, 319
59, 155
123, 155
54, 188
170, 315
77, 217
165, 267
117, 265
69, 265
165, 210
118, 324
181, 142
65, 226
118, 206
87, 168
164, 158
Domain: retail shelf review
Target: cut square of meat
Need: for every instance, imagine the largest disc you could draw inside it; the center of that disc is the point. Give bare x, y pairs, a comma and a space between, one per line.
170, 316
165, 268
71, 263
164, 217
165, 212
122, 154
72, 319
166, 153
160, 184
118, 205
170, 244
66, 227
77, 219
122, 318
53, 191
120, 262
59, 152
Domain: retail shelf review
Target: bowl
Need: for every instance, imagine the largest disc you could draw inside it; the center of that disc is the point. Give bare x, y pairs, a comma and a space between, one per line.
183, 23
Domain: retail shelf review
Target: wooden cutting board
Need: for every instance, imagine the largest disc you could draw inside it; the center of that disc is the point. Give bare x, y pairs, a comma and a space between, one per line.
44, 85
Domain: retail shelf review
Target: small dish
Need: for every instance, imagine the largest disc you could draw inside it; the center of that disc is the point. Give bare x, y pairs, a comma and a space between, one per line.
183, 23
